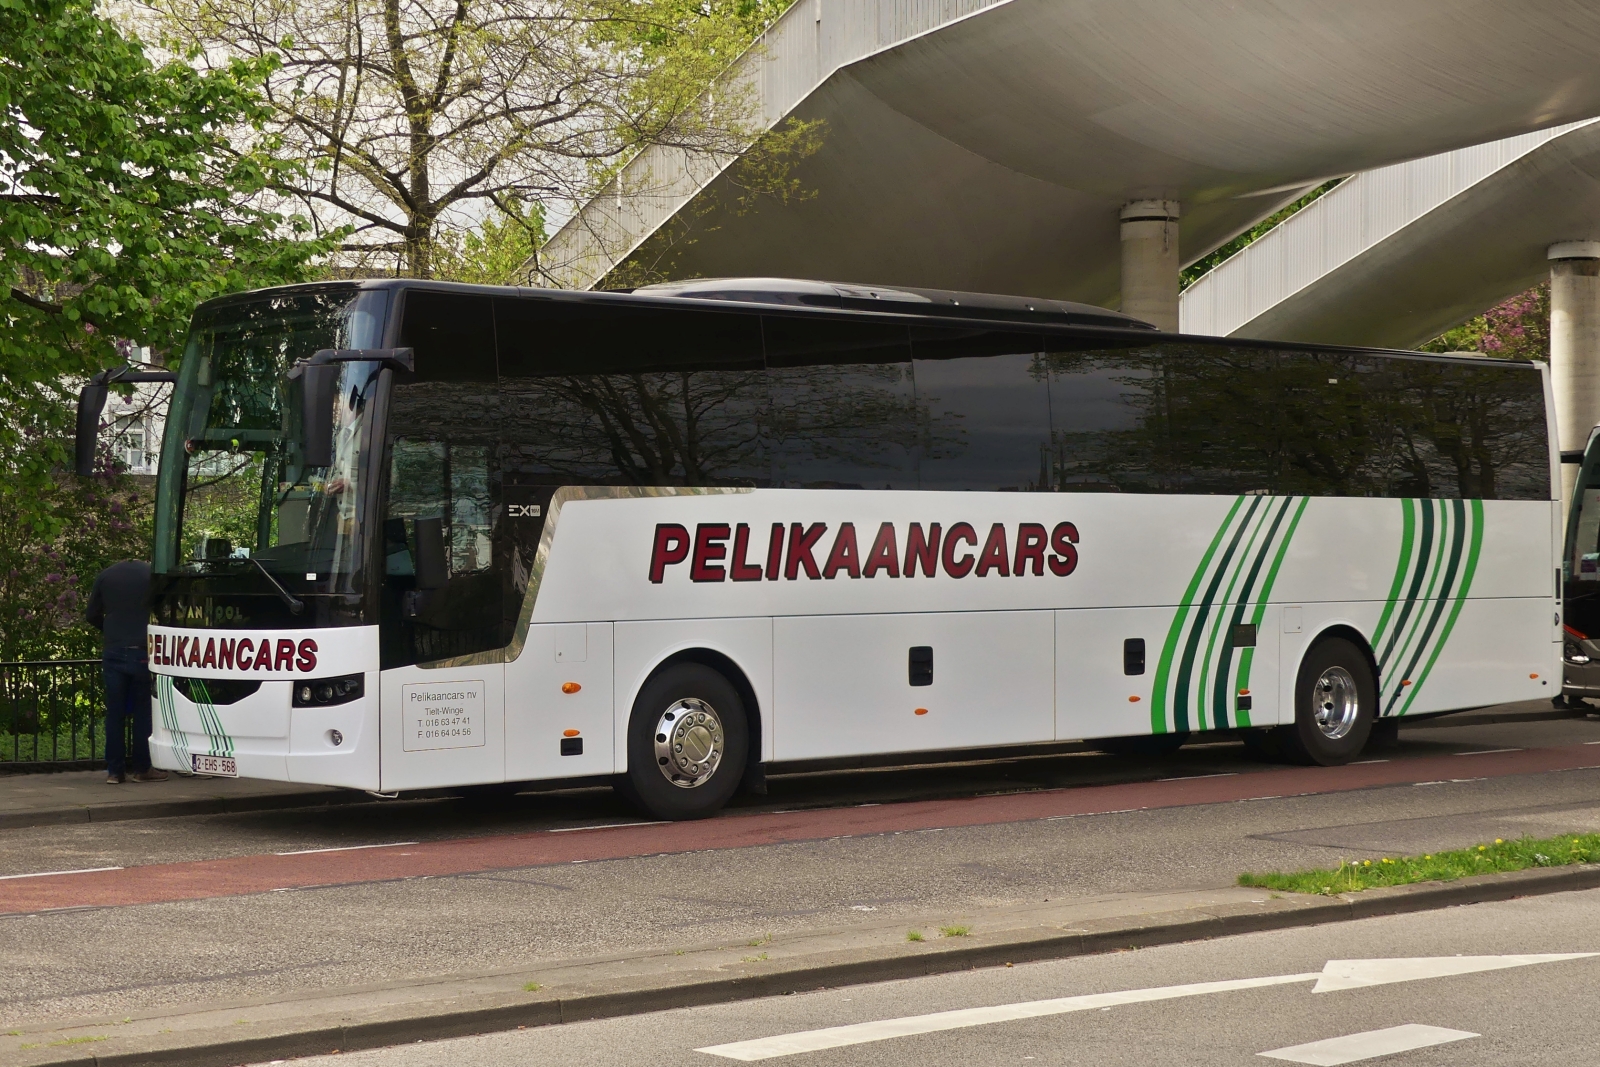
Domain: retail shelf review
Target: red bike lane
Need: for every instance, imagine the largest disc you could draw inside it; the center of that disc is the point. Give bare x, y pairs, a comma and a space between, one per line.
245, 875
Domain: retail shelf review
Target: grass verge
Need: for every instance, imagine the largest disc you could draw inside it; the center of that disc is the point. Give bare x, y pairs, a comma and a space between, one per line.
1501, 855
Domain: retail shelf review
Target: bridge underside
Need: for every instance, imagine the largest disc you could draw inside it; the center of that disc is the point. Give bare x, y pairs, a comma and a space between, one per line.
994, 150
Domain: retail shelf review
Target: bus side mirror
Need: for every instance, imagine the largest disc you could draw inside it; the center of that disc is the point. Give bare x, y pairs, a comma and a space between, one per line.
431, 573
91, 402
317, 382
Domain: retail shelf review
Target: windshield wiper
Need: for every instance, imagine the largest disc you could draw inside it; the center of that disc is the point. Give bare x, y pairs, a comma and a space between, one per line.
296, 605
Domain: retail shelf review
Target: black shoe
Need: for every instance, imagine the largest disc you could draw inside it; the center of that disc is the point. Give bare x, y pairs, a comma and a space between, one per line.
116, 779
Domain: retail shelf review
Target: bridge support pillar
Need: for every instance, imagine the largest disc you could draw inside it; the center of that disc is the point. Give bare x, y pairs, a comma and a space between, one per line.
1150, 262
1575, 347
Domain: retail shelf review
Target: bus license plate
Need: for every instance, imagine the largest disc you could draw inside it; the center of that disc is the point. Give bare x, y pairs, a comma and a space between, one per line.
222, 766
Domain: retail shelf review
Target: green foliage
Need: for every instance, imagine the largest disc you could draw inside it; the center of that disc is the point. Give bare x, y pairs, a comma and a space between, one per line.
1356, 875
1193, 271
419, 116
496, 253
1516, 328
125, 199
125, 190
46, 568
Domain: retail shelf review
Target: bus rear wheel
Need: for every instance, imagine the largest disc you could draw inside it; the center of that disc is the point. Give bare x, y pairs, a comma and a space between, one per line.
688, 739
1335, 704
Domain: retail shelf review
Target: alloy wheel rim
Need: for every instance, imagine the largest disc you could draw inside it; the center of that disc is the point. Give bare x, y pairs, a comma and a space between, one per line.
1336, 703
689, 742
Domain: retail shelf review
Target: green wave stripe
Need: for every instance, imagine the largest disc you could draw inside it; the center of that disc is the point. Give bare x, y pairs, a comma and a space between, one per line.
1233, 581
1180, 689
1218, 707
169, 717
1158, 702
1222, 692
1415, 637
1420, 557
1407, 531
1470, 570
1247, 656
216, 736
1458, 511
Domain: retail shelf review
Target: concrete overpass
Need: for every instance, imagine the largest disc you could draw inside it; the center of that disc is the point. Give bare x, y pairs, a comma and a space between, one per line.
995, 145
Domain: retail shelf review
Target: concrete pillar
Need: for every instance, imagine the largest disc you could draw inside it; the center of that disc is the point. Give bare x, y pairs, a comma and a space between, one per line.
1575, 346
1150, 262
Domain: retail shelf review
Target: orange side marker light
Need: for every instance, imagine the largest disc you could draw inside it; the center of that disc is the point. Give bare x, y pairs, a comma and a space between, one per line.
570, 687
1405, 683
1244, 692
569, 733
1533, 676
1133, 700
921, 711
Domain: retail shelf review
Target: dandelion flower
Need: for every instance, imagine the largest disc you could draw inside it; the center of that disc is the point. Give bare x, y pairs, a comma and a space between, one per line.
1499, 840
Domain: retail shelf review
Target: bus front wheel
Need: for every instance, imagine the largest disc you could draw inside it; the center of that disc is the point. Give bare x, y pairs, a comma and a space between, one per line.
1335, 704
687, 743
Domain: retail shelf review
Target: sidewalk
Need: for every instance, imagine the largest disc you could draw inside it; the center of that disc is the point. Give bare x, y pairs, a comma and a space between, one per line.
84, 796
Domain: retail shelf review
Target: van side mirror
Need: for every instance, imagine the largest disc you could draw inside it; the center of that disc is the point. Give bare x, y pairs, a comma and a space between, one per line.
431, 572
91, 402
317, 382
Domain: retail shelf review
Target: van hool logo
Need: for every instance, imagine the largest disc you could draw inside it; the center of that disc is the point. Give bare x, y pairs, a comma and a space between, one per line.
798, 548
234, 653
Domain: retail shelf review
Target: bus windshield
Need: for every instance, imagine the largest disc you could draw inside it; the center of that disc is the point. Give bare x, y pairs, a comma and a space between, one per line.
236, 496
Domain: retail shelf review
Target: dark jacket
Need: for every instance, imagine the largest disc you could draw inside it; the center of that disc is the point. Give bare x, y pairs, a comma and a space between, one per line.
119, 604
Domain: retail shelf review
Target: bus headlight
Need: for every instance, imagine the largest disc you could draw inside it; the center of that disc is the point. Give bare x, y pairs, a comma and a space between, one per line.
326, 692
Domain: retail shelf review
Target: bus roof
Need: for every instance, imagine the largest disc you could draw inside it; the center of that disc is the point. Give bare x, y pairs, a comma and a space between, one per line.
801, 296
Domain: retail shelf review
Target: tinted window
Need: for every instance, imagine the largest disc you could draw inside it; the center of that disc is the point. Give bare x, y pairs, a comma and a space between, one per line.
842, 405
983, 410
1465, 431
692, 427
1197, 418
546, 338
452, 335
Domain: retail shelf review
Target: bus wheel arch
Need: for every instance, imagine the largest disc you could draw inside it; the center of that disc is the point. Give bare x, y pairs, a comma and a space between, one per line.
1335, 699
705, 693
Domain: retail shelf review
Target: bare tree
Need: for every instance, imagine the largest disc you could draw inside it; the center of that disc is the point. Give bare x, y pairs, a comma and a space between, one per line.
424, 117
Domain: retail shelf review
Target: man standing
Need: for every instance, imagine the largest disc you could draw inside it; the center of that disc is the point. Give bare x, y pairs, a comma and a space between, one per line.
119, 607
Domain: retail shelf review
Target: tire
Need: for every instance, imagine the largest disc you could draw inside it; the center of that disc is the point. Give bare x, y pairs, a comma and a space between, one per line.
699, 786
1144, 746
1335, 704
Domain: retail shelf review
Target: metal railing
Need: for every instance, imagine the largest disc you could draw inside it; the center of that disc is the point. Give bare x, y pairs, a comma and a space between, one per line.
52, 715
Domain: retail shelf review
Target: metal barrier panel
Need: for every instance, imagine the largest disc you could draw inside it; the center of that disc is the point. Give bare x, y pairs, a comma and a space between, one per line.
52, 715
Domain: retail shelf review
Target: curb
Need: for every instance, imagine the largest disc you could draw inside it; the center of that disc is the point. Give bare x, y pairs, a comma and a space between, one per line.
162, 809
647, 993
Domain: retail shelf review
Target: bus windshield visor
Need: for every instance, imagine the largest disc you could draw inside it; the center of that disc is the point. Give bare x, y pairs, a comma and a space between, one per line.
236, 494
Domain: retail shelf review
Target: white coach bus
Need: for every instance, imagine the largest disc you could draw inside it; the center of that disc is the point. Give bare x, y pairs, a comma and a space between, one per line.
414, 535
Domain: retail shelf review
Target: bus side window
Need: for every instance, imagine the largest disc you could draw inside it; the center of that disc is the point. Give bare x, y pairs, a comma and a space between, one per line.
431, 479
842, 409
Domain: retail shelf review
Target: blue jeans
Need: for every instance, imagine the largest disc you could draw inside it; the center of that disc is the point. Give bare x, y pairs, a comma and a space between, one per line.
127, 695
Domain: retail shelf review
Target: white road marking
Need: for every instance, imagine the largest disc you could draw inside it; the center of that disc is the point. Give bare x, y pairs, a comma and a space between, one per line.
767, 1048
1488, 751
1335, 975
1196, 777
602, 826
1358, 974
346, 848
49, 874
1368, 1045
